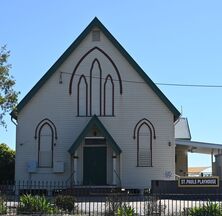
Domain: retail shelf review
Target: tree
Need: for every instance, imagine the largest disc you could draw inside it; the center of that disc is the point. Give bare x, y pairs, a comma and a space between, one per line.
8, 96
7, 163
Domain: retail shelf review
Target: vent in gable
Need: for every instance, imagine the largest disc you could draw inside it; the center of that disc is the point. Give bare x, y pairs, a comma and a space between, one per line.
95, 35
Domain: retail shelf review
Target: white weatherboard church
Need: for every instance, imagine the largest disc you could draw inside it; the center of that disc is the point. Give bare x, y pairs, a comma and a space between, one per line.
95, 118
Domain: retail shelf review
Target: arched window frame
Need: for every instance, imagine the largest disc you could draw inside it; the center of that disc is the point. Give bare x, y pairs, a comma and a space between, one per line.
39, 127
78, 92
136, 136
105, 83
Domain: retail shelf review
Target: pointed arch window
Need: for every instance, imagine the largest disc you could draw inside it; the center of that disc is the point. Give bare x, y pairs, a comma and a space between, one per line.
144, 146
46, 134
45, 155
144, 133
82, 97
109, 96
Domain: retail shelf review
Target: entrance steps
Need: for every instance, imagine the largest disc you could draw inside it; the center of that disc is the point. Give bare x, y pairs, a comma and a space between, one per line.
79, 190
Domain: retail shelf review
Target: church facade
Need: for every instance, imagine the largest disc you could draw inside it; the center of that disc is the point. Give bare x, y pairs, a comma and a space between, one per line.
95, 118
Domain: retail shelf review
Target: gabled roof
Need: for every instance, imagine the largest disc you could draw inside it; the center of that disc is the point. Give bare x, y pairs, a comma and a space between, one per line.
95, 23
199, 147
95, 122
182, 129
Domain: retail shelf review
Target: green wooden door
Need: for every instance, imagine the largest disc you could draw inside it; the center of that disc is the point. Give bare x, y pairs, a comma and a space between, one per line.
94, 166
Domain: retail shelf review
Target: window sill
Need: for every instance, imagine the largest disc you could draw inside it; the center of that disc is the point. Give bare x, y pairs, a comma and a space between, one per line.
44, 170
145, 166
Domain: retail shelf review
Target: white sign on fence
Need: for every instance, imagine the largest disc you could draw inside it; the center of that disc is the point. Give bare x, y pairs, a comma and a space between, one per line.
212, 181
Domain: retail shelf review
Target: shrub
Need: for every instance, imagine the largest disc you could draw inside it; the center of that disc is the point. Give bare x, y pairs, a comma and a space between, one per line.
3, 208
35, 204
126, 210
66, 203
210, 208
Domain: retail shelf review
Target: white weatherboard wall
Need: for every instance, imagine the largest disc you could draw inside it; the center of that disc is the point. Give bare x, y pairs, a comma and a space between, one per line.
137, 101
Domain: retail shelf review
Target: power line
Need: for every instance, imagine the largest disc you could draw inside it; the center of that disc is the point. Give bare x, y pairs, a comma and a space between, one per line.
157, 83
190, 85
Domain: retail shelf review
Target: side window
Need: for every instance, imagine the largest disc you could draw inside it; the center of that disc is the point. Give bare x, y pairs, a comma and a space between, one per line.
144, 134
45, 148
46, 135
144, 146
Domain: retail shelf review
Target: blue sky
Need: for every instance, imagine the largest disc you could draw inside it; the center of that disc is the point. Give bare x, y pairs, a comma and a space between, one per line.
173, 41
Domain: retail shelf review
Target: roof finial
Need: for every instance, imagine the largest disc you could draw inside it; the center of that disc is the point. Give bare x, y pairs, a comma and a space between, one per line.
181, 110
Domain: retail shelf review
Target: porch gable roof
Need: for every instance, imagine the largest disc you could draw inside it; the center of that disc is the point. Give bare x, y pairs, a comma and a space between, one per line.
94, 121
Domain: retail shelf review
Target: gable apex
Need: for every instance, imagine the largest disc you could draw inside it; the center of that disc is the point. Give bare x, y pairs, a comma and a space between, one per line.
95, 23
94, 122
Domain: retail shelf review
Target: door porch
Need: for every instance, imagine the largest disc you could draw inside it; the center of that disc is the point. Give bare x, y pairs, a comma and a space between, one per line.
95, 157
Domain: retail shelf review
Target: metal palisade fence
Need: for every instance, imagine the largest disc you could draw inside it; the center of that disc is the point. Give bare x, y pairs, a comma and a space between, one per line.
59, 198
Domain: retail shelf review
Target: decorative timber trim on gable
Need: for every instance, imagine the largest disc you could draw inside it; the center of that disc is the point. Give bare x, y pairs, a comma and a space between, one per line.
94, 23
95, 122
107, 56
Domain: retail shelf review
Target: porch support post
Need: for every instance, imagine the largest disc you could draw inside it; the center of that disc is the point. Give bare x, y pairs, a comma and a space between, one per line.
71, 169
114, 168
75, 161
213, 165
